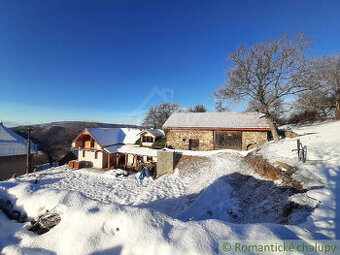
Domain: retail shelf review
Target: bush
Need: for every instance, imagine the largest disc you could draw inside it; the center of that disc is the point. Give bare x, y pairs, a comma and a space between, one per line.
303, 117
159, 144
138, 142
290, 134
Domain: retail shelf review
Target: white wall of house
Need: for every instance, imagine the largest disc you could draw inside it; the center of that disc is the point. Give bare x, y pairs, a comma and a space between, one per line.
145, 159
91, 156
130, 159
145, 144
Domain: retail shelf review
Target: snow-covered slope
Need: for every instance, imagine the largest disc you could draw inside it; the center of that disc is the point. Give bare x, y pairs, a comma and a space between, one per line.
212, 196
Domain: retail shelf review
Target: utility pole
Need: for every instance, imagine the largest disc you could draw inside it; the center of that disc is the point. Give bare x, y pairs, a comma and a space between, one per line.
29, 158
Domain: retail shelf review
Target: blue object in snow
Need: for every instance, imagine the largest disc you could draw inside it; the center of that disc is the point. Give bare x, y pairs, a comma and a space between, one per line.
144, 173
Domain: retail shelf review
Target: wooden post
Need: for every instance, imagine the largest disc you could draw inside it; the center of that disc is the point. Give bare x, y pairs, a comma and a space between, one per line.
108, 161
304, 154
135, 161
28, 158
117, 159
126, 159
298, 150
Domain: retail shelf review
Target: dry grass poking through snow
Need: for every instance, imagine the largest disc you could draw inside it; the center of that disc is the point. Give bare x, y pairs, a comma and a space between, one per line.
189, 166
270, 172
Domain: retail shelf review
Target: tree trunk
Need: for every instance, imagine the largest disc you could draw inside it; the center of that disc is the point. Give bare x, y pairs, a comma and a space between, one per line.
273, 129
337, 105
337, 111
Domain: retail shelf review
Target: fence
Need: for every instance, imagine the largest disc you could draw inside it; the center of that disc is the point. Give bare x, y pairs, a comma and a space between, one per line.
302, 151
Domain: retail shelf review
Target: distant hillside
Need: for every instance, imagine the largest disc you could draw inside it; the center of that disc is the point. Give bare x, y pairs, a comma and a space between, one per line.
58, 136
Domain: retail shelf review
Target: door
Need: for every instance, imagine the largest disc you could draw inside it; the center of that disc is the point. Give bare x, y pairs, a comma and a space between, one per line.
193, 144
228, 140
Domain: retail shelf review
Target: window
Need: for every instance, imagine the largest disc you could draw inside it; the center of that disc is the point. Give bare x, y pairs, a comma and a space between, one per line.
147, 139
83, 153
194, 144
149, 158
92, 143
96, 155
183, 139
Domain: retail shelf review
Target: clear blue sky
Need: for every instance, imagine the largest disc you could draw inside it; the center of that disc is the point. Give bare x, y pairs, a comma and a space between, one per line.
109, 60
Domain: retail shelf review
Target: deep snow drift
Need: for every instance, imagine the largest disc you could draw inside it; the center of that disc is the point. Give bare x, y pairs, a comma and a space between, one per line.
211, 197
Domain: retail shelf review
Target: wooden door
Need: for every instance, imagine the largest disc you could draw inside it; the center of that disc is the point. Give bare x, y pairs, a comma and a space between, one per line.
228, 140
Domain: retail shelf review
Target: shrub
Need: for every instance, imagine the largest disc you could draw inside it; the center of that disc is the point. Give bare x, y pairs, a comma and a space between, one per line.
290, 134
138, 142
159, 144
305, 116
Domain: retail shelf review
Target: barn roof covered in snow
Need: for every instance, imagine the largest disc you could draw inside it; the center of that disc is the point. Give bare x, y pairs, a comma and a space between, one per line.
12, 144
217, 120
111, 136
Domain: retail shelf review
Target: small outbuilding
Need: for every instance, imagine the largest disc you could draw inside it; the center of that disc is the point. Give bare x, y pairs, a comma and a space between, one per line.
216, 130
150, 136
13, 153
71, 155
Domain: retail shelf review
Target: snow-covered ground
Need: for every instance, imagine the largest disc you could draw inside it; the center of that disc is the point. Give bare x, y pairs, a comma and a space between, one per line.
212, 196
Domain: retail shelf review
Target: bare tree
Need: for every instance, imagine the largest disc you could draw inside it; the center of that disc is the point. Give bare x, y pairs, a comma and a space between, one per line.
220, 107
276, 110
51, 152
267, 72
157, 115
318, 101
324, 76
197, 108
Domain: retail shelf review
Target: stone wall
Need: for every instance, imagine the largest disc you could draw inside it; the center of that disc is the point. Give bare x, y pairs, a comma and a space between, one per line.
179, 139
165, 162
12, 165
252, 139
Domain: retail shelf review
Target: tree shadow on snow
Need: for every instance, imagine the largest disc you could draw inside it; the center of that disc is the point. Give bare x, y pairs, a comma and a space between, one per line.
37, 251
111, 251
329, 220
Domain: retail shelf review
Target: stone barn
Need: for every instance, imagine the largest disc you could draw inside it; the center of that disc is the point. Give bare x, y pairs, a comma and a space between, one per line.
206, 131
